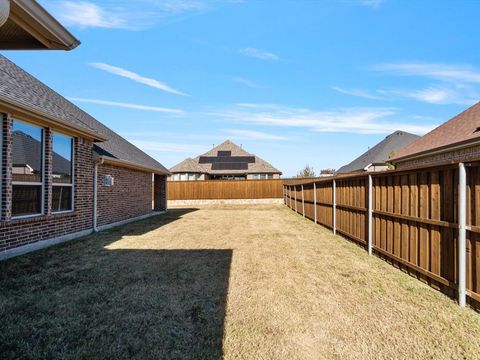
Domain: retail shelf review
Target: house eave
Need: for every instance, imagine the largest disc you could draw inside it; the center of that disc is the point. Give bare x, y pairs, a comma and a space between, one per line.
42, 26
130, 165
441, 150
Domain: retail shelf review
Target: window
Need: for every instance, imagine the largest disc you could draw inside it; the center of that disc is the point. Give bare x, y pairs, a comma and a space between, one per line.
62, 173
27, 169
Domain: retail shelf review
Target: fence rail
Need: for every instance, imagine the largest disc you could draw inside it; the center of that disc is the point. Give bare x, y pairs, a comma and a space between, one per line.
413, 219
225, 189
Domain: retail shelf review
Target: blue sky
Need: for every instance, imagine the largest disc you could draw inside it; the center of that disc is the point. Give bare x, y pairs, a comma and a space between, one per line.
295, 82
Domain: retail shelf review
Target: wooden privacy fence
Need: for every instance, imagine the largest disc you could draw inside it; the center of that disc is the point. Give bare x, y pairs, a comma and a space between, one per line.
426, 221
225, 189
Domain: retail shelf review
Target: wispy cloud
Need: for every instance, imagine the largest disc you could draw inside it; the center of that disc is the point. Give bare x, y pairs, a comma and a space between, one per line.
169, 147
259, 54
127, 14
89, 15
358, 93
136, 77
450, 84
438, 95
127, 105
444, 72
351, 120
431, 95
180, 6
254, 135
180, 136
371, 3
246, 82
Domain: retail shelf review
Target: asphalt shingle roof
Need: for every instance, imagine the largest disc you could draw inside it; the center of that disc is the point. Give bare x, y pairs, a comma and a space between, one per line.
462, 128
20, 87
380, 153
194, 165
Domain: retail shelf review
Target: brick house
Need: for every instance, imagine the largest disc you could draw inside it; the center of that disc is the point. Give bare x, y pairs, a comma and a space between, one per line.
227, 161
457, 140
63, 174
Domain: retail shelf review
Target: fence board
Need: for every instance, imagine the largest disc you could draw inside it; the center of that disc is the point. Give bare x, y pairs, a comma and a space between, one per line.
415, 220
225, 189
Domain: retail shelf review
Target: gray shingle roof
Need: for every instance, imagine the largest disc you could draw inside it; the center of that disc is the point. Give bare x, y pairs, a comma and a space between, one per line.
18, 86
380, 153
259, 166
188, 166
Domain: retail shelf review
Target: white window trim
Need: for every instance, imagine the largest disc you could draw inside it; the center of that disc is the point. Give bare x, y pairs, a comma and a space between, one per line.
72, 184
24, 183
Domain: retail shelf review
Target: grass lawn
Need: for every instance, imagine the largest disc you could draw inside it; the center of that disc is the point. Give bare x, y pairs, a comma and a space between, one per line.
238, 282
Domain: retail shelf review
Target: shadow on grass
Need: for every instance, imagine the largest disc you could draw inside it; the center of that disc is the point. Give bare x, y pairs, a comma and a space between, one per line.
80, 300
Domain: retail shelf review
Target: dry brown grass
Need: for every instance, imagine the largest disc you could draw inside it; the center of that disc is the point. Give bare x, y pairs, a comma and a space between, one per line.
242, 282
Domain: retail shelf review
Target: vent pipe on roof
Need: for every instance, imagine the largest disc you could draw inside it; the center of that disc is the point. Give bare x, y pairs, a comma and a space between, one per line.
4, 11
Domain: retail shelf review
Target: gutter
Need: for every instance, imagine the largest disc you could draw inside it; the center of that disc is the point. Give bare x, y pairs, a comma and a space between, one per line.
31, 16
4, 11
95, 191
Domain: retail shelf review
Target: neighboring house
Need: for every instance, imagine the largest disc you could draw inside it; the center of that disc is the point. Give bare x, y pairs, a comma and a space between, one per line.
63, 174
226, 161
457, 140
378, 157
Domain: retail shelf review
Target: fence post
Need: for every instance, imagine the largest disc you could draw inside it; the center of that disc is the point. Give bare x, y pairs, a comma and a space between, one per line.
295, 189
290, 190
370, 214
462, 233
303, 202
315, 202
334, 187
284, 194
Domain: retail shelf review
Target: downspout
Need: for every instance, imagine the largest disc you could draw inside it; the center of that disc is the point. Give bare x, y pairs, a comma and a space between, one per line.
4, 11
95, 190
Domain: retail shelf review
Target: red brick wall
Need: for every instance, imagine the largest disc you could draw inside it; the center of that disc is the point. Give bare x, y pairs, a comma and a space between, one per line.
17, 232
130, 196
468, 154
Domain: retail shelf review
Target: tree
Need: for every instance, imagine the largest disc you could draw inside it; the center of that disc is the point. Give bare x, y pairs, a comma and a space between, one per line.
306, 172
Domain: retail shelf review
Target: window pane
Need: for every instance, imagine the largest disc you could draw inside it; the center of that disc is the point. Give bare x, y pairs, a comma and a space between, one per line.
26, 200
27, 152
61, 198
62, 159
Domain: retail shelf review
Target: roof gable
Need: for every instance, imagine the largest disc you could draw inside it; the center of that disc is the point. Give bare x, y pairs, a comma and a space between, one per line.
380, 153
460, 129
227, 157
